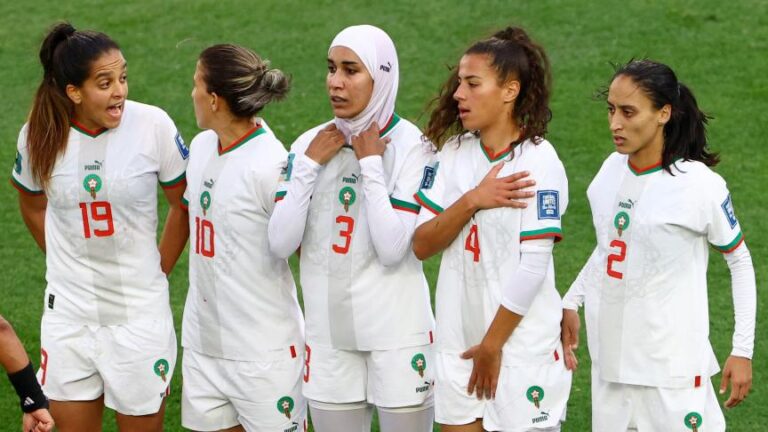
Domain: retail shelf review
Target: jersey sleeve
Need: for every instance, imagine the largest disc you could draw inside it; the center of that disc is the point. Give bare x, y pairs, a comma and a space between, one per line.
21, 175
173, 153
542, 217
417, 172
722, 228
430, 195
267, 185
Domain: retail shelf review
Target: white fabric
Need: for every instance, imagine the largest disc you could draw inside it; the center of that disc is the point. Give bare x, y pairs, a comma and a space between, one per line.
744, 300
343, 417
511, 410
521, 289
378, 54
415, 419
395, 378
352, 299
241, 303
653, 318
585, 290
219, 394
104, 270
122, 362
391, 230
487, 251
574, 297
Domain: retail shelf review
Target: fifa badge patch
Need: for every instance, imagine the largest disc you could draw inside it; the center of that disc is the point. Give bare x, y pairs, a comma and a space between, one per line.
428, 179
183, 149
162, 368
17, 165
535, 394
285, 406
548, 203
287, 170
347, 197
621, 222
693, 421
205, 201
419, 363
92, 184
727, 207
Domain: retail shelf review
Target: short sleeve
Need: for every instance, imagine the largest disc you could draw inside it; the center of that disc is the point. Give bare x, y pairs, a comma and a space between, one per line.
172, 151
543, 216
268, 183
21, 175
417, 172
722, 227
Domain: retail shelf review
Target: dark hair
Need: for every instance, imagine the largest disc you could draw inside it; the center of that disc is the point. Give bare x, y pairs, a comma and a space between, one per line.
685, 134
514, 56
66, 55
242, 78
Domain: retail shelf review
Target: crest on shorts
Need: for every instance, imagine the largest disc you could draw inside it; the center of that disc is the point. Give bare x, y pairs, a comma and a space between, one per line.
535, 394
205, 201
162, 368
693, 421
548, 202
621, 221
419, 363
347, 197
92, 184
285, 406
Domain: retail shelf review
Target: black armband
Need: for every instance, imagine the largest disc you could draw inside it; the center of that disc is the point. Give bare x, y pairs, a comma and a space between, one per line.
29, 390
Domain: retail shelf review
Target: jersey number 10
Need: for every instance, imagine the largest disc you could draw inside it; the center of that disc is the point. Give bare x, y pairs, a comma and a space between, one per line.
204, 237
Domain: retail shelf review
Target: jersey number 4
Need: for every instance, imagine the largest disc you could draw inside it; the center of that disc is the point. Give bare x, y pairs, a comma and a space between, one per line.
98, 211
472, 243
204, 237
616, 258
346, 234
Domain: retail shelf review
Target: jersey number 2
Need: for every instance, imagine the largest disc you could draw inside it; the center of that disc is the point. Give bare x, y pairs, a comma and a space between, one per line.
204, 237
616, 257
99, 211
345, 233
472, 243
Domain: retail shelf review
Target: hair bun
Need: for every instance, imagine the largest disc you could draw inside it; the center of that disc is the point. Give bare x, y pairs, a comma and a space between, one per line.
515, 34
58, 34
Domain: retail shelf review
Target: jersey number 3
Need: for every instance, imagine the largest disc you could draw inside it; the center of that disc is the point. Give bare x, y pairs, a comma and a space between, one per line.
98, 211
616, 258
345, 233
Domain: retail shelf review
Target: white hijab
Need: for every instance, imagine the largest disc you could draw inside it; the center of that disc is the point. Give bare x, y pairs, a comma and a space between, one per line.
377, 52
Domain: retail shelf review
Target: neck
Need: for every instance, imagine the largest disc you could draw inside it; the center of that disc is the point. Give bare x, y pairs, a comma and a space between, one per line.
500, 135
649, 154
233, 131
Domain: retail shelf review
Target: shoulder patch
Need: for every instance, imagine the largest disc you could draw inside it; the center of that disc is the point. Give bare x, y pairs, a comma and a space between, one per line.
183, 149
428, 179
548, 204
287, 170
727, 207
17, 165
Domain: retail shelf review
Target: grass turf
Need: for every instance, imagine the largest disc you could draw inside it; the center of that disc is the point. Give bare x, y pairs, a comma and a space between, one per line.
718, 48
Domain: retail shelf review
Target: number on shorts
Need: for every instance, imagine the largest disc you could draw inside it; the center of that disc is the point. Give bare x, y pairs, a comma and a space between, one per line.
204, 237
43, 365
100, 211
307, 356
345, 233
616, 257
472, 243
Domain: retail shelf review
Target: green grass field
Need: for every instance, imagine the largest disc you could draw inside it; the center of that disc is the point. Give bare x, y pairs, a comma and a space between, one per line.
718, 48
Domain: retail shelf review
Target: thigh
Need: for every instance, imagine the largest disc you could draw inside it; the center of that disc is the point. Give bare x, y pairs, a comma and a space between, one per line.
693, 408
137, 365
78, 416
141, 423
67, 367
453, 406
204, 407
400, 377
334, 376
529, 398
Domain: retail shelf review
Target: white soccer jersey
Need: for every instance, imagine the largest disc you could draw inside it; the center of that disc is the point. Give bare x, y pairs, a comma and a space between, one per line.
652, 233
241, 303
102, 261
351, 300
486, 253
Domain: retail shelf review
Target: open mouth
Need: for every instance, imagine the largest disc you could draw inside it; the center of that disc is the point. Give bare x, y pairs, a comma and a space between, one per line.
338, 100
115, 111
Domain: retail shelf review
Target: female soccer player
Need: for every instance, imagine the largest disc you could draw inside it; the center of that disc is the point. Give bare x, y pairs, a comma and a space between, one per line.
498, 356
243, 332
88, 165
347, 199
657, 206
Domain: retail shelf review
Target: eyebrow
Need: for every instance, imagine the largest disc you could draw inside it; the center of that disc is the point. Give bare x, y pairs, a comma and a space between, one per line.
107, 73
345, 62
620, 106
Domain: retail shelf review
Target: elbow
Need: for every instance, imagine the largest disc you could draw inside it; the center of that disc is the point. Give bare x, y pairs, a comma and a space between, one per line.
280, 251
421, 249
6, 330
391, 259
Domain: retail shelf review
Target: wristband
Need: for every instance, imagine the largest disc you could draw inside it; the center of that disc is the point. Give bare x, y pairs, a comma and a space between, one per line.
31, 396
